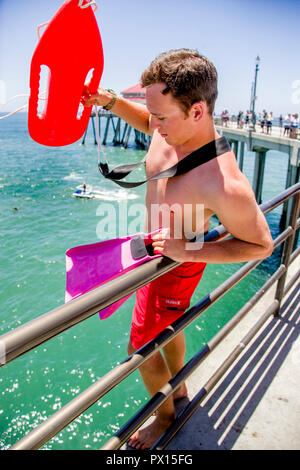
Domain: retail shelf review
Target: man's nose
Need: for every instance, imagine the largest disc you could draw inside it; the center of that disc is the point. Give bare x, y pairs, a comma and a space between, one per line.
154, 123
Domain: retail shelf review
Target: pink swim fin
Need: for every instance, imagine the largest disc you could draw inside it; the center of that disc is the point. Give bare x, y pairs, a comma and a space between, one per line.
70, 47
90, 266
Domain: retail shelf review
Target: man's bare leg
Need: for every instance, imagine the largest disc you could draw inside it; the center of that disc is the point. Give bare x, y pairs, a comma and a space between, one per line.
155, 374
174, 353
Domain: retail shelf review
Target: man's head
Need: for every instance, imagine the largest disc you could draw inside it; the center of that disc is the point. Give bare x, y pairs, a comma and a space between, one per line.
188, 76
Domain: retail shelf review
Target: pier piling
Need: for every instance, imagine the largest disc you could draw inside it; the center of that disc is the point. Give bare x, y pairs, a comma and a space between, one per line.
259, 169
120, 131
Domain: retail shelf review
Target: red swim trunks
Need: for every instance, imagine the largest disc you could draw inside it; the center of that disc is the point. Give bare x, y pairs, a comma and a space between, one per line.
161, 302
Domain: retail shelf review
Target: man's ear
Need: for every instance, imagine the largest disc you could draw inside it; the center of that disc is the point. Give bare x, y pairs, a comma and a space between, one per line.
198, 110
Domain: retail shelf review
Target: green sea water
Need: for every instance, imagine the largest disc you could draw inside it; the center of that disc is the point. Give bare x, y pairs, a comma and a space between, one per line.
39, 221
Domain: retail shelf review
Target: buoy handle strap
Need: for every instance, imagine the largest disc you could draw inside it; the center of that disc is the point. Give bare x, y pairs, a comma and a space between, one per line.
92, 2
80, 4
41, 26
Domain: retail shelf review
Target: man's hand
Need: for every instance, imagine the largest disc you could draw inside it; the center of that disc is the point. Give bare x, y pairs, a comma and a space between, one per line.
164, 244
135, 114
100, 98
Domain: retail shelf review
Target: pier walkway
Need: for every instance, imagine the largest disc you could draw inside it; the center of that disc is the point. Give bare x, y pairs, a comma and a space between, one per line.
256, 405
276, 131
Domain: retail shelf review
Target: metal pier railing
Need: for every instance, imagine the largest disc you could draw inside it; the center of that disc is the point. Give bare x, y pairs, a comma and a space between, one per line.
24, 338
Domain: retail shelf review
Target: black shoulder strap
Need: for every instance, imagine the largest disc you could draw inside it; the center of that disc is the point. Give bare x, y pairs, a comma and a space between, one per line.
193, 160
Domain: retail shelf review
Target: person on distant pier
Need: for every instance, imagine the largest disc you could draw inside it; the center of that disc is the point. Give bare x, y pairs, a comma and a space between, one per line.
240, 119
222, 118
226, 117
287, 125
263, 121
181, 90
269, 122
247, 119
294, 126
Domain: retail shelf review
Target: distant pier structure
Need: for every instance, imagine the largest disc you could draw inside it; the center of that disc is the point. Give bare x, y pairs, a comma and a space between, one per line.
121, 131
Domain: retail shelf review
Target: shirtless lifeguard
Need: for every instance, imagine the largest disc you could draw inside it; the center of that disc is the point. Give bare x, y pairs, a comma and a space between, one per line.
181, 89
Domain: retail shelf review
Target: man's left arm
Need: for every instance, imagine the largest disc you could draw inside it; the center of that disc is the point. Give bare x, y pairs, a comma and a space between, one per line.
243, 219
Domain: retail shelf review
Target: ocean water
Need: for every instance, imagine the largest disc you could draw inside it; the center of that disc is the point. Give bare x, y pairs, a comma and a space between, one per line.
39, 221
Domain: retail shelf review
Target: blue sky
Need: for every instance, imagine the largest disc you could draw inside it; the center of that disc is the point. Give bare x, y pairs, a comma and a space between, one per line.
229, 32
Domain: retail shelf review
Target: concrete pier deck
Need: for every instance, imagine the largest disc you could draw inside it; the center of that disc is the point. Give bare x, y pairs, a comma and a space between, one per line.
256, 405
275, 140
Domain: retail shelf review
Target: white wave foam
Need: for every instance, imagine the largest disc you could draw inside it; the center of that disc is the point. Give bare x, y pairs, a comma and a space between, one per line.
119, 195
72, 177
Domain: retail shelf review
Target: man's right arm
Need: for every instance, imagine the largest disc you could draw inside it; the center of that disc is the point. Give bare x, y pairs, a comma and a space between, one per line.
135, 114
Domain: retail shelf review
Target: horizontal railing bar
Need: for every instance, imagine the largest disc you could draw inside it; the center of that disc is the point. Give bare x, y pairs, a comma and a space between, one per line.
183, 417
277, 200
140, 417
283, 236
46, 430
35, 332
246, 308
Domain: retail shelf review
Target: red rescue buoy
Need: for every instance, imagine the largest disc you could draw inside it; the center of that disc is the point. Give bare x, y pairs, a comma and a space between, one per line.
70, 47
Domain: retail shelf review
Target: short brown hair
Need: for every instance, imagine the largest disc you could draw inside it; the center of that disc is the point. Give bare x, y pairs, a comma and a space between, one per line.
189, 76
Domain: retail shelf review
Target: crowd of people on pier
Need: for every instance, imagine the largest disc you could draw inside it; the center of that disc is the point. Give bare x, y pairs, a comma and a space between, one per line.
288, 125
291, 124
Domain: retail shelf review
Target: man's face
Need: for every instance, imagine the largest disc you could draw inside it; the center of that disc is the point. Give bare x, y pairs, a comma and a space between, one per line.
167, 117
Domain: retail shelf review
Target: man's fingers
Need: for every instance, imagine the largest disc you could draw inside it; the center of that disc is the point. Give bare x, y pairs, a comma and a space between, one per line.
163, 234
89, 99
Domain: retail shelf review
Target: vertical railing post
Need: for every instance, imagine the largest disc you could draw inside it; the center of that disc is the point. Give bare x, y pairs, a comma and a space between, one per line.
241, 156
287, 250
236, 148
258, 177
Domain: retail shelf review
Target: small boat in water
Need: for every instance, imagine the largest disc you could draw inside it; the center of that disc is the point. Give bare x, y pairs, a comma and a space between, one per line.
84, 191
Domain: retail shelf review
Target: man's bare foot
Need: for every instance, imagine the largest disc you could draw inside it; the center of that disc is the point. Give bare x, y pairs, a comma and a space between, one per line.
180, 393
145, 438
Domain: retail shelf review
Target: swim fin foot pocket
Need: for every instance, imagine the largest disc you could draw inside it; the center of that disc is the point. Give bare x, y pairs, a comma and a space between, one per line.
140, 249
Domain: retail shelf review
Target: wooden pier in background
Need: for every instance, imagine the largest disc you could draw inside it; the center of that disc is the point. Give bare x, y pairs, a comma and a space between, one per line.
121, 131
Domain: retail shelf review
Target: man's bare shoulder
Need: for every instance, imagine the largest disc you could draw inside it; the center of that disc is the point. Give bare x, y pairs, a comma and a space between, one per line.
226, 184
